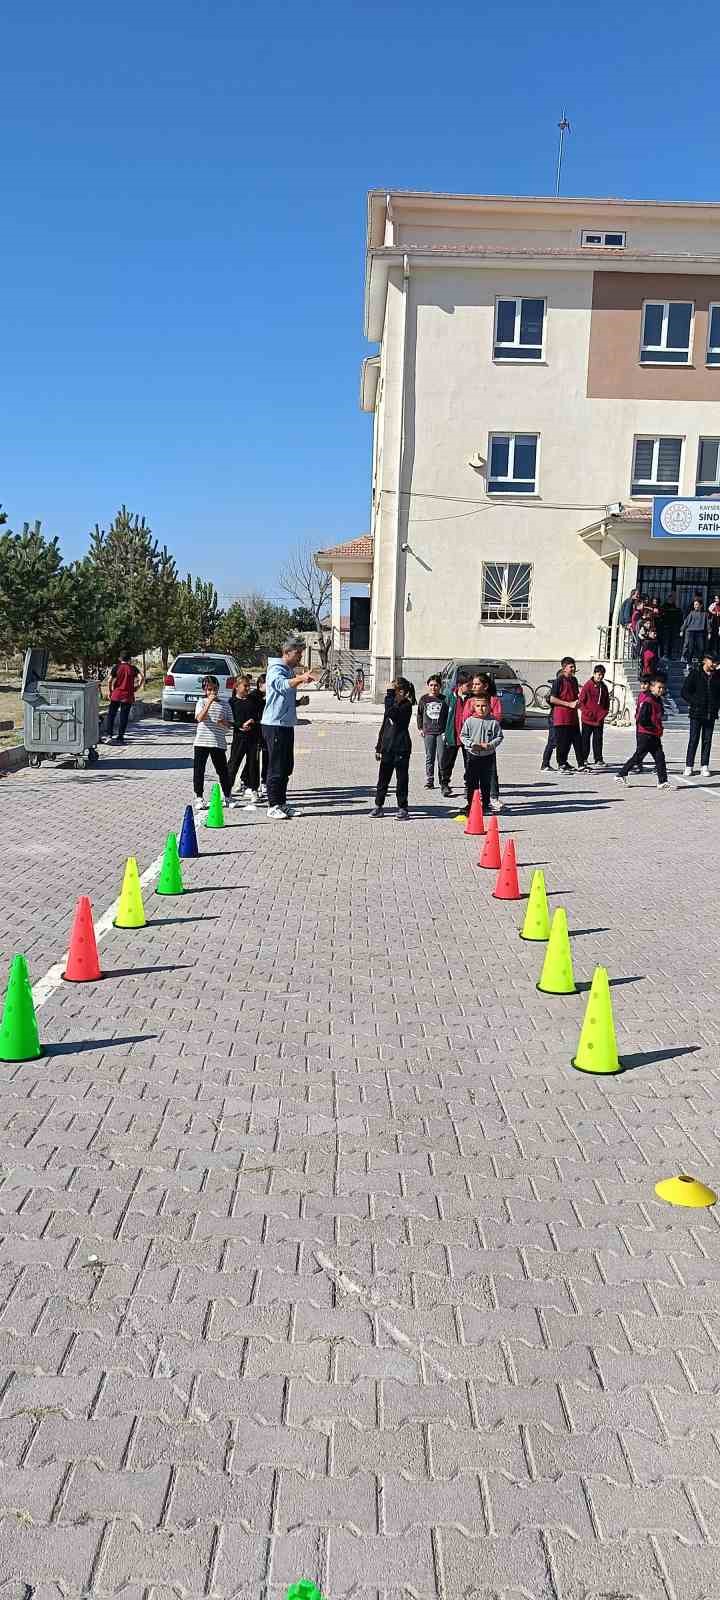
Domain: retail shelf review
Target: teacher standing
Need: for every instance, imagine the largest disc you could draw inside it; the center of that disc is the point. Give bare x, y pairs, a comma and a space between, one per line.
279, 721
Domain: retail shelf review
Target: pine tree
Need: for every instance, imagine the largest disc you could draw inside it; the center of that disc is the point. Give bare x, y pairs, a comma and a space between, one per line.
34, 591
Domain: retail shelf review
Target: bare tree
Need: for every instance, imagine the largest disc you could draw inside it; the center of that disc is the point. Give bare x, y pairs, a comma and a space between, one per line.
301, 578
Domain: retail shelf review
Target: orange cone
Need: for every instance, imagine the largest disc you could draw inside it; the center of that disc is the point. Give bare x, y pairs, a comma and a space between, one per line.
490, 853
507, 886
476, 822
83, 961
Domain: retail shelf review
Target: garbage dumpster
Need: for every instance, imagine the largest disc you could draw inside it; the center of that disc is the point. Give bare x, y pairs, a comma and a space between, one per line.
61, 715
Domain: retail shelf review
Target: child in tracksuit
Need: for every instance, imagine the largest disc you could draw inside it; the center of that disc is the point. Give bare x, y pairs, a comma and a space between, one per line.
564, 692
649, 722
649, 653
394, 746
246, 707
432, 713
481, 735
594, 704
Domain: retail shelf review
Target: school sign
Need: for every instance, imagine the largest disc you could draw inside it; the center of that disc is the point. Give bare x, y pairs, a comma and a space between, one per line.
678, 518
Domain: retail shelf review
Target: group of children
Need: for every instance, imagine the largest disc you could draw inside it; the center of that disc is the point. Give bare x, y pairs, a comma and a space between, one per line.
214, 718
469, 719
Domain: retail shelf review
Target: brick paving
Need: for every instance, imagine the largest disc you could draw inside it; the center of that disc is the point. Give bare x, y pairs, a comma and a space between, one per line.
318, 1259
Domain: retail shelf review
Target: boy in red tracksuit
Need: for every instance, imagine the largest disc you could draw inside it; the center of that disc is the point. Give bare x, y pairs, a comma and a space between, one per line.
564, 692
594, 704
649, 722
649, 653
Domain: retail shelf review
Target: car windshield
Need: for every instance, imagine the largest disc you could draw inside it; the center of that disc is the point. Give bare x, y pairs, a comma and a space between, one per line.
197, 666
494, 669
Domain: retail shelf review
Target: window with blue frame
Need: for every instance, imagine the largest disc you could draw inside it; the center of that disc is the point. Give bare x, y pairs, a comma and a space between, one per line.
513, 463
666, 332
713, 344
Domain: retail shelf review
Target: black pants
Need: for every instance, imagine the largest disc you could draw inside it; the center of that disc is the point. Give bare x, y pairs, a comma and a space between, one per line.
567, 739
123, 706
550, 746
596, 736
280, 746
219, 761
478, 775
648, 744
699, 731
245, 746
447, 762
400, 765
694, 646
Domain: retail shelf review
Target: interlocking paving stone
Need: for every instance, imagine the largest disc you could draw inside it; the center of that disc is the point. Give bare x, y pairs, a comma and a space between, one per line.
317, 1258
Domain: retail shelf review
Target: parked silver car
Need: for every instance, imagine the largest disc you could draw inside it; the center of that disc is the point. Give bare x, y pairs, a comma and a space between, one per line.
182, 684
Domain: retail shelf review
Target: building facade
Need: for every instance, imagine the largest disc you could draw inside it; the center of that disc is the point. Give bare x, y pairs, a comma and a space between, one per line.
545, 367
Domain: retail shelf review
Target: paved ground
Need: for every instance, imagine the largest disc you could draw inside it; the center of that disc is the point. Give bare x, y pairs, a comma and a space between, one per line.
318, 1259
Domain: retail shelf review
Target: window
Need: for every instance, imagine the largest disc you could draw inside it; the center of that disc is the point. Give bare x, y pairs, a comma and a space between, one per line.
656, 466
513, 463
506, 587
519, 330
713, 344
197, 666
607, 241
666, 333
707, 480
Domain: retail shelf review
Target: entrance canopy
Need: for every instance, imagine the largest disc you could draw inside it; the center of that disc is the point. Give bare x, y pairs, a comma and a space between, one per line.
351, 562
658, 566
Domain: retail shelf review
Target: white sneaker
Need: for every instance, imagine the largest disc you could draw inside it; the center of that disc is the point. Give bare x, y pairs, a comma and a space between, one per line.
276, 814
496, 805
689, 772
253, 801
704, 772
201, 805
262, 792
664, 785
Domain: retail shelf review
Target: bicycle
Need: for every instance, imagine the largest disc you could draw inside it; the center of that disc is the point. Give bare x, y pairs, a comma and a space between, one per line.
341, 683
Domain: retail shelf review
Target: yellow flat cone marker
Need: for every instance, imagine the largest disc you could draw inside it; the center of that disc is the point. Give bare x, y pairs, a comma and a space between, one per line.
684, 1191
557, 975
597, 1046
131, 912
216, 816
461, 817
19, 1040
537, 916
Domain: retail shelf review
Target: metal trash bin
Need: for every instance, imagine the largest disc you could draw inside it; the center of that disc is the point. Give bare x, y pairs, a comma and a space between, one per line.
61, 715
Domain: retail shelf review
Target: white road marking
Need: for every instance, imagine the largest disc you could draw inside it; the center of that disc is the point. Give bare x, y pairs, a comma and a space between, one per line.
688, 783
46, 986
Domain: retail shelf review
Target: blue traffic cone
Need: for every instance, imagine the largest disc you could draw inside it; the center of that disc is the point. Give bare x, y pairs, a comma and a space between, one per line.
188, 846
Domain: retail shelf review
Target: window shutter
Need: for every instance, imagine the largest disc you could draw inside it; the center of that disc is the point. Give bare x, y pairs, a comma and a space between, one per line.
643, 460
668, 460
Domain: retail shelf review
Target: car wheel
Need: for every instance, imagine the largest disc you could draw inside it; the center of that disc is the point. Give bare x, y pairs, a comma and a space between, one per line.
167, 716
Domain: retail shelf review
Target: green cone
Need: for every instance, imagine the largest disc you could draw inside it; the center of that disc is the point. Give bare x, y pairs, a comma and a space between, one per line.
170, 880
19, 1040
304, 1590
216, 816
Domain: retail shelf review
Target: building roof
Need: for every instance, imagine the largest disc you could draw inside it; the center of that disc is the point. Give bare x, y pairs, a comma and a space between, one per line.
352, 549
577, 252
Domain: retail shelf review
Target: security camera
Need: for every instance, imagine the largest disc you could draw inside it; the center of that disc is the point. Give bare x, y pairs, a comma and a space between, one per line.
404, 547
615, 509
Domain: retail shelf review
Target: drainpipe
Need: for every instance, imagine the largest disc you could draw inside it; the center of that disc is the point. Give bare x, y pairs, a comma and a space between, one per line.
398, 487
619, 596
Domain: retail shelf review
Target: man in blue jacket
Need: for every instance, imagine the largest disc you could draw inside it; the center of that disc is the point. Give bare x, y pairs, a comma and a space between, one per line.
280, 720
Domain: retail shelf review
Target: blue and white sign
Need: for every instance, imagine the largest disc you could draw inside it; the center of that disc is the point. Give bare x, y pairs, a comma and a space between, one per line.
675, 518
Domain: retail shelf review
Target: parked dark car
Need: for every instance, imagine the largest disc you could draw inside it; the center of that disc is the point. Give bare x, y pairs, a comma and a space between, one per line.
508, 684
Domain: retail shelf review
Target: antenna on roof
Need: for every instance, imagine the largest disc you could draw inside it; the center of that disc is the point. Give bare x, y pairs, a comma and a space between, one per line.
564, 127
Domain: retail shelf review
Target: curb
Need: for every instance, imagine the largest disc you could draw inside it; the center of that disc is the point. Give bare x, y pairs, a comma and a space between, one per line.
11, 760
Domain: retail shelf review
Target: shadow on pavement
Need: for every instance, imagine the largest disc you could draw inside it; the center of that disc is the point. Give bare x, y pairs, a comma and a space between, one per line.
577, 933
77, 1046
646, 1058
167, 922
140, 972
584, 987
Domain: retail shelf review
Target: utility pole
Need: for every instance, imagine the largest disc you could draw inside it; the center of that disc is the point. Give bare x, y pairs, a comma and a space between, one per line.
564, 127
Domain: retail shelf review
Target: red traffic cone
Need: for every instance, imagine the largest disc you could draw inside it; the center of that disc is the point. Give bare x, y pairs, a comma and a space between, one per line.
490, 853
83, 962
507, 886
476, 822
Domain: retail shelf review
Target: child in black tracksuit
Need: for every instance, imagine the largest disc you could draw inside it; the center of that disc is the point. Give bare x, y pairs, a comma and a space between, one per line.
246, 706
649, 722
394, 746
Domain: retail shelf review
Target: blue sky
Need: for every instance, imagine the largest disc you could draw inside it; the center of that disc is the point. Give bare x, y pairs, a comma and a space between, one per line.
183, 221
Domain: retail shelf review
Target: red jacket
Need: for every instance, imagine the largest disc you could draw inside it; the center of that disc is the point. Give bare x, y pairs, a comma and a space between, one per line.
565, 716
495, 708
594, 702
649, 713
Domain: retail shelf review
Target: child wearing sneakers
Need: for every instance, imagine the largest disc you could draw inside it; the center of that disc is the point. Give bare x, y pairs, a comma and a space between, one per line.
594, 704
394, 747
213, 719
649, 722
481, 735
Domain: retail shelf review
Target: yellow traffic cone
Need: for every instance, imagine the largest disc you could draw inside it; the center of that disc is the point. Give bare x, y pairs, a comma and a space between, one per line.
557, 975
131, 913
537, 917
597, 1047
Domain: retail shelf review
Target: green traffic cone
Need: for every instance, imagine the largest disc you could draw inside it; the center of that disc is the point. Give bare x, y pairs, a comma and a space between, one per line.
216, 816
19, 1039
170, 880
304, 1590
